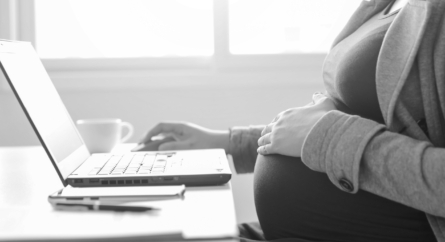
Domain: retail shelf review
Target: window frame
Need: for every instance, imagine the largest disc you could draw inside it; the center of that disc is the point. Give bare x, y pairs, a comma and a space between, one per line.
17, 22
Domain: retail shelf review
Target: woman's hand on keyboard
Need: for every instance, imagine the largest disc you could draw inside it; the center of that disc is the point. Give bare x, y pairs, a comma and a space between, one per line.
186, 136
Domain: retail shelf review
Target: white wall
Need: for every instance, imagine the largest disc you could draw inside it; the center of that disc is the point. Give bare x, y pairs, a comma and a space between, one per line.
227, 99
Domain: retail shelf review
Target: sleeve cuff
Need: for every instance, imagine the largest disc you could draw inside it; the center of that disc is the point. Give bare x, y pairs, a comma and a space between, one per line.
243, 145
335, 145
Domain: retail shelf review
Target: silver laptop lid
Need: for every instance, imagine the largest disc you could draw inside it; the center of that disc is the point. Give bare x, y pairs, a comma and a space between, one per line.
42, 106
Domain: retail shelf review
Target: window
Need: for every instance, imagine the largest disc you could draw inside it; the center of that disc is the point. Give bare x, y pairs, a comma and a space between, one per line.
103, 35
123, 28
286, 26
157, 28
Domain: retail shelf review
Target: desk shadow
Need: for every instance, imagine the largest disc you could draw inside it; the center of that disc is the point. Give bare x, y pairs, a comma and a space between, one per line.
208, 188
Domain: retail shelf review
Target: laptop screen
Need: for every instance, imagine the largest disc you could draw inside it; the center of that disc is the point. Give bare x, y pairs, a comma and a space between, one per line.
43, 105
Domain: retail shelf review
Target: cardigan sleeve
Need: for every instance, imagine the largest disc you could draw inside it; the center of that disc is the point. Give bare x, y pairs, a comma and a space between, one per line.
359, 153
243, 147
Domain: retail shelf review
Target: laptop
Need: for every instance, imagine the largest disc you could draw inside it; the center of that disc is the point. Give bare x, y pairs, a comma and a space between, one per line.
65, 148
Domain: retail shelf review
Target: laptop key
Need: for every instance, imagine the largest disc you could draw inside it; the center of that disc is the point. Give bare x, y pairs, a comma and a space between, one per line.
119, 169
126, 158
108, 167
157, 170
137, 159
114, 159
94, 171
149, 159
99, 164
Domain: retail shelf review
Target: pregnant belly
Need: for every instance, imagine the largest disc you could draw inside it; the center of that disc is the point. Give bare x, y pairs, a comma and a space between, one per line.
293, 201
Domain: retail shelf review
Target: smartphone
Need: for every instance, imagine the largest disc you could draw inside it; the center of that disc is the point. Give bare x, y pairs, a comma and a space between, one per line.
116, 194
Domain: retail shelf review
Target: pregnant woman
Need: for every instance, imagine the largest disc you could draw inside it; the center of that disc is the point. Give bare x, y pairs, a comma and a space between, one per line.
365, 160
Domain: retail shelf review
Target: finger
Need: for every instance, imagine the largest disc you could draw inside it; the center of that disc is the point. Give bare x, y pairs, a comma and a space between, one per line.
166, 137
316, 97
277, 117
267, 129
264, 140
174, 128
265, 149
175, 145
153, 145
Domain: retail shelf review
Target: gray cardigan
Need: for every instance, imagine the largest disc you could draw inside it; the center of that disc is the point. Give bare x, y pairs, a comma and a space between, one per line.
407, 167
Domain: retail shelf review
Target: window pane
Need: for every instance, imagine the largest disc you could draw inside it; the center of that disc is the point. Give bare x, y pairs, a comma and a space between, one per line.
286, 26
123, 28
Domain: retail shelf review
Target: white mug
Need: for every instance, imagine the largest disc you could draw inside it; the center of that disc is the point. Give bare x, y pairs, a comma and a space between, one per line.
101, 135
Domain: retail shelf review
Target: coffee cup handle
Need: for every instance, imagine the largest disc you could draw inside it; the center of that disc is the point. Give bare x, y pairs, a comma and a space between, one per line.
130, 131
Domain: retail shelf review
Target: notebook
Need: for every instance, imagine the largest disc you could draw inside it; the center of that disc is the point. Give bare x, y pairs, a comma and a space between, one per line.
65, 148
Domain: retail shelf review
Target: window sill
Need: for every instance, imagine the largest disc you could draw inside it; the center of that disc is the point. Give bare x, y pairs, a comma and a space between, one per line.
137, 73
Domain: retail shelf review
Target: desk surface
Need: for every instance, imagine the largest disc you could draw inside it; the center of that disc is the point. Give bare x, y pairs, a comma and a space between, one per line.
27, 177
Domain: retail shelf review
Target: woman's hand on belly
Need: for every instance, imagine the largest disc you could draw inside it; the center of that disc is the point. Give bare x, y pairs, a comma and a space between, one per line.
286, 133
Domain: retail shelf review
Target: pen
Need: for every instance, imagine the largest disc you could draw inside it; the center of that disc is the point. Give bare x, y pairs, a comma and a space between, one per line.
102, 207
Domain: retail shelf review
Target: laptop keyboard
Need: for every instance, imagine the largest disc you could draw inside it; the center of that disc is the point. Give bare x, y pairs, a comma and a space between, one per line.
132, 164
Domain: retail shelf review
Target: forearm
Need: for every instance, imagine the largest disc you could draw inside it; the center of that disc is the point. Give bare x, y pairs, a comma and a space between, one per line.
394, 166
243, 145
406, 170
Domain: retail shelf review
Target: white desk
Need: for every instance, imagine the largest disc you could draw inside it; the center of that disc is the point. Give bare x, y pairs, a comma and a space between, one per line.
27, 177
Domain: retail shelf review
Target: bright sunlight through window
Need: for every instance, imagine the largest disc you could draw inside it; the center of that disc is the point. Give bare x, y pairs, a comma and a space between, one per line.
123, 28
175, 28
286, 26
